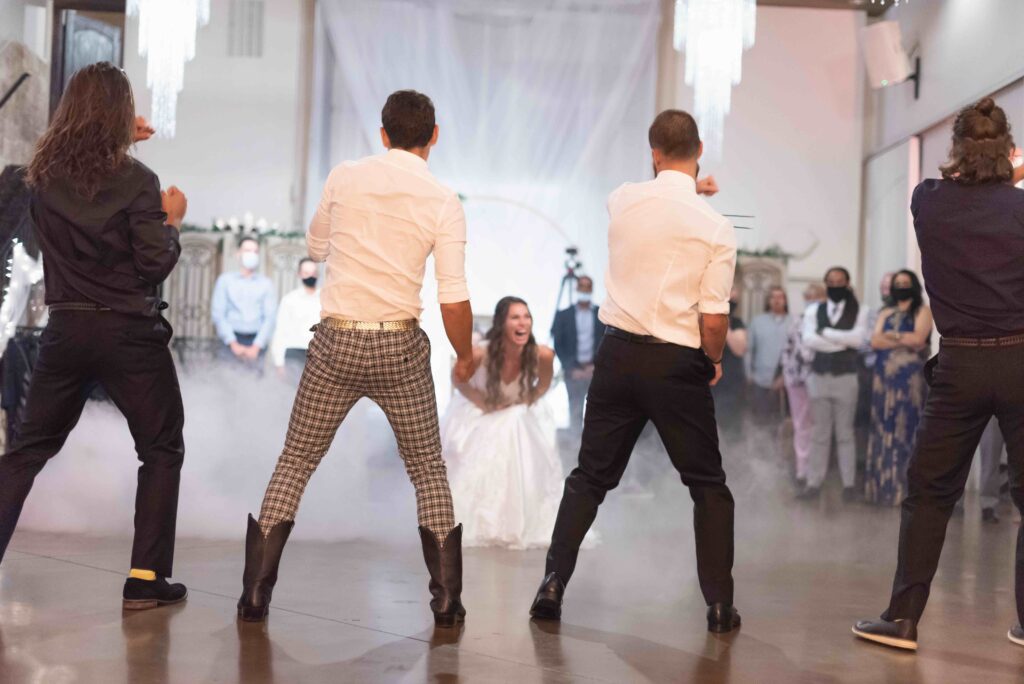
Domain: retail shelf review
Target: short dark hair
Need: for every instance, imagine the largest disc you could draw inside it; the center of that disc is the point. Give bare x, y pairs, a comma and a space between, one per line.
981, 146
839, 269
917, 301
584, 276
674, 133
248, 238
768, 297
304, 260
408, 119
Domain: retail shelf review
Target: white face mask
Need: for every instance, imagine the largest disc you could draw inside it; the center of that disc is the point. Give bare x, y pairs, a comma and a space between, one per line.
583, 297
250, 260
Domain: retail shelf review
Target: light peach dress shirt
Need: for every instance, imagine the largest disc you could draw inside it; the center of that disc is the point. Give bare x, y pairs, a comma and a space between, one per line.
378, 220
671, 257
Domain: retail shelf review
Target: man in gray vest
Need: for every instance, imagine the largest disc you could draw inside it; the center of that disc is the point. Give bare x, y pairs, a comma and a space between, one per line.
834, 330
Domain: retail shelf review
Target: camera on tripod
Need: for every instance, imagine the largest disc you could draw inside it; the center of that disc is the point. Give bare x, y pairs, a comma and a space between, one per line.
572, 264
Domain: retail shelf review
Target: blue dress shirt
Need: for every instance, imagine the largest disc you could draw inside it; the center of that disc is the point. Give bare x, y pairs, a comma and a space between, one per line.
245, 305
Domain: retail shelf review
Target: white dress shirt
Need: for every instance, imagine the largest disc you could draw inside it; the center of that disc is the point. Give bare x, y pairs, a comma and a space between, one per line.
298, 312
671, 257
832, 340
378, 221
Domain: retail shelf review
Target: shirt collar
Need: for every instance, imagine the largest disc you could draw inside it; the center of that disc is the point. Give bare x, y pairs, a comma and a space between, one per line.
678, 178
406, 159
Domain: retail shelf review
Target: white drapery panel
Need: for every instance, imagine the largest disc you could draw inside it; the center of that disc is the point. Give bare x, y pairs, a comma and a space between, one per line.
543, 107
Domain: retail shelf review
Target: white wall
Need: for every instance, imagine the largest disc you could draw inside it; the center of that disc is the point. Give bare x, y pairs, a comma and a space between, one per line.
968, 48
889, 179
12, 20
235, 149
793, 141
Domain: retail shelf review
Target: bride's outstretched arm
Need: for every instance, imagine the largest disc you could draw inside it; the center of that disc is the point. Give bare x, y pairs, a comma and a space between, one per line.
545, 372
466, 389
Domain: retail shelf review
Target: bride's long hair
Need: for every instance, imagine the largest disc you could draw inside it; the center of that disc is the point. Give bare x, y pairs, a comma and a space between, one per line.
496, 355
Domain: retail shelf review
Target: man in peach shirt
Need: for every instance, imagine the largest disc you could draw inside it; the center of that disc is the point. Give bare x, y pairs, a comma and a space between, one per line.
378, 221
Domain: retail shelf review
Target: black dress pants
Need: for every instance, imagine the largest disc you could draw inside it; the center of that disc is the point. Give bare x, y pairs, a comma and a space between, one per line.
969, 385
667, 384
128, 356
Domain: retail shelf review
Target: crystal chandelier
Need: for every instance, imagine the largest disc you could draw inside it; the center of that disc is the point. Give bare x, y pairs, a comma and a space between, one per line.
167, 38
715, 33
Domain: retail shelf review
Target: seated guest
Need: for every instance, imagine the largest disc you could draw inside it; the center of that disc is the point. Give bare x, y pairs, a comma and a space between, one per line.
766, 339
577, 334
243, 307
901, 340
796, 367
297, 313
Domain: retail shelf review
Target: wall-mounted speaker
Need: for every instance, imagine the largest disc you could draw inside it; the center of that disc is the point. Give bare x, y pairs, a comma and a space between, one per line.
887, 61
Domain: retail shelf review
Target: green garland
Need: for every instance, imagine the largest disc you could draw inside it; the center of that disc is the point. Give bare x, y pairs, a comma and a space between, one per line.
771, 252
270, 232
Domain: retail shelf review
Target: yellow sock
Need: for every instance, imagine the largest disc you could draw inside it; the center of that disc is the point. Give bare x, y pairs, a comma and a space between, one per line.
147, 575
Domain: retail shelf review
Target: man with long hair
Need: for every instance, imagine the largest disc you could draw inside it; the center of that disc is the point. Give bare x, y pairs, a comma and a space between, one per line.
109, 237
968, 227
378, 221
671, 263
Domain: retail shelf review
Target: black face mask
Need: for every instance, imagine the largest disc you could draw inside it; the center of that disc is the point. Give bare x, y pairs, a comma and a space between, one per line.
902, 294
838, 294
310, 281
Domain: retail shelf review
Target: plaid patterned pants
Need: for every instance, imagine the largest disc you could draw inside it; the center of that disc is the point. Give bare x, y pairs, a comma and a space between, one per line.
393, 370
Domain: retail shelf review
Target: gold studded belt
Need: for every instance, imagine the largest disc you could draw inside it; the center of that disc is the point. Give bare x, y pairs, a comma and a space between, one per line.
369, 326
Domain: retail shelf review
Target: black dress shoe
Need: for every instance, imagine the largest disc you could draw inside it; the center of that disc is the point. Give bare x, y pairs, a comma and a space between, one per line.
547, 605
809, 494
898, 634
988, 515
722, 618
144, 594
1016, 635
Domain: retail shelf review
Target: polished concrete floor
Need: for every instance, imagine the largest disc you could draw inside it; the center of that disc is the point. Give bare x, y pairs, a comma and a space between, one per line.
357, 611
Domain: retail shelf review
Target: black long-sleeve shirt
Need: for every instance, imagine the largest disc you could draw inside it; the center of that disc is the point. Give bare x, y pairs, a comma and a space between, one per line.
114, 250
972, 256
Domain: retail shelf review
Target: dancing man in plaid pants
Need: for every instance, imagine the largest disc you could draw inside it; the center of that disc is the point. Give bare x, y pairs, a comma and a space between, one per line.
378, 221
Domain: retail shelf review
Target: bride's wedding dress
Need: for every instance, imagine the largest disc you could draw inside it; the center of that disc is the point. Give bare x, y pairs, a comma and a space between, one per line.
505, 474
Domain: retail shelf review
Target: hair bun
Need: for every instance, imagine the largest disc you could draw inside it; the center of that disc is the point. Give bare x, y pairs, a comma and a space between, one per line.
985, 106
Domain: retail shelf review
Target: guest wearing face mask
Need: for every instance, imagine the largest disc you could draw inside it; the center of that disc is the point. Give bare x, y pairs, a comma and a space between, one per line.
835, 331
297, 313
730, 391
243, 308
902, 340
577, 333
796, 368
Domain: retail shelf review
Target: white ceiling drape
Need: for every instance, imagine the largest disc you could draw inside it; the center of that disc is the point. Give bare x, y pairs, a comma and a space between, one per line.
543, 108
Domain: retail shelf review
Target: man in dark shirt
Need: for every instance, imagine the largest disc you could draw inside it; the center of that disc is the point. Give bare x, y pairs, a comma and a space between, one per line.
970, 227
109, 237
577, 333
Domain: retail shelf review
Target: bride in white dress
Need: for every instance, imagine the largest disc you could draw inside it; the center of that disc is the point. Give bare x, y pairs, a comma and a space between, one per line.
499, 438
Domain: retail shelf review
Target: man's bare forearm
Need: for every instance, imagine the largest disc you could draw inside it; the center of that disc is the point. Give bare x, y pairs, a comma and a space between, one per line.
458, 325
713, 329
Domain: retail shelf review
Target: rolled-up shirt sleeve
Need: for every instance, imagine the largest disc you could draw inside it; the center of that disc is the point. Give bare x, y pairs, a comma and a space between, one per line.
450, 254
716, 283
318, 237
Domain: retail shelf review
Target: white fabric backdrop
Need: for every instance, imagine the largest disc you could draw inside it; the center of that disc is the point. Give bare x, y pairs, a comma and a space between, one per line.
541, 103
